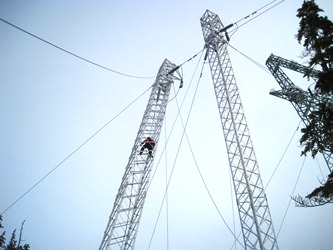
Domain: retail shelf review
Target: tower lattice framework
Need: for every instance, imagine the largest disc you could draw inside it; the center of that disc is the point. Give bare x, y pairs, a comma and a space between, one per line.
304, 102
124, 220
255, 218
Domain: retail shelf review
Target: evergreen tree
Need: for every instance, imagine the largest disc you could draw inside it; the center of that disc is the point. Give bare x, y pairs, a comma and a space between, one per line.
12, 243
316, 35
318, 134
2, 236
26, 247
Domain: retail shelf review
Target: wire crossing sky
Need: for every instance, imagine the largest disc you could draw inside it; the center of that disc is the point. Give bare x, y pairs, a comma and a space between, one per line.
115, 71
52, 102
73, 54
72, 153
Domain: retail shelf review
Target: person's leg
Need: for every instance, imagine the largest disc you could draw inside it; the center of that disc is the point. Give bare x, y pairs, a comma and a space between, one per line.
142, 149
150, 150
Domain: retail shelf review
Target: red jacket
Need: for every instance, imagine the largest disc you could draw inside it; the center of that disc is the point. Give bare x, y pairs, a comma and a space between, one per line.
148, 140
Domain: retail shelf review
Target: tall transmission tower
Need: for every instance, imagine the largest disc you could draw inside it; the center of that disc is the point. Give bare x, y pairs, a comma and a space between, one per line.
256, 222
304, 102
124, 220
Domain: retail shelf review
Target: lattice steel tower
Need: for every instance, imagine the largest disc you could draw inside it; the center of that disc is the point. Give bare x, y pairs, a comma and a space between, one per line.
124, 220
256, 222
304, 102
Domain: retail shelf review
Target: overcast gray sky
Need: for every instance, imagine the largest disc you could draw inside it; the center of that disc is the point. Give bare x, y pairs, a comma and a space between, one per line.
52, 102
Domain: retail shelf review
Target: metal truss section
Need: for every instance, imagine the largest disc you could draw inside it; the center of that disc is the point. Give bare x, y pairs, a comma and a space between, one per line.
256, 222
124, 220
304, 102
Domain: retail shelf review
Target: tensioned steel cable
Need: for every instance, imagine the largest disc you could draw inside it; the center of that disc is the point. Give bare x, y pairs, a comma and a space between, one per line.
173, 125
206, 187
233, 208
201, 176
77, 149
255, 14
277, 166
172, 170
166, 183
283, 154
251, 60
73, 54
285, 213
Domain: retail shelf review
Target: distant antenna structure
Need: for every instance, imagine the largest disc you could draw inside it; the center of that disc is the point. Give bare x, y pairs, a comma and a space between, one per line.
304, 102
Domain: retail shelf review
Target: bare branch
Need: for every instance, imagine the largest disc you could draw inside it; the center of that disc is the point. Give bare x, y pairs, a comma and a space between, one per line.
21, 232
313, 202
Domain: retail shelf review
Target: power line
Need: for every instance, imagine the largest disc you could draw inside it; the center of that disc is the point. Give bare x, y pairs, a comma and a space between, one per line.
197, 166
174, 123
285, 213
71, 154
262, 12
251, 60
204, 183
224, 29
167, 139
166, 186
128, 75
255, 14
291, 139
73, 54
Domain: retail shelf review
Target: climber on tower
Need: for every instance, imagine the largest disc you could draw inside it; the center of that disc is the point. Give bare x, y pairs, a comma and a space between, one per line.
149, 144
